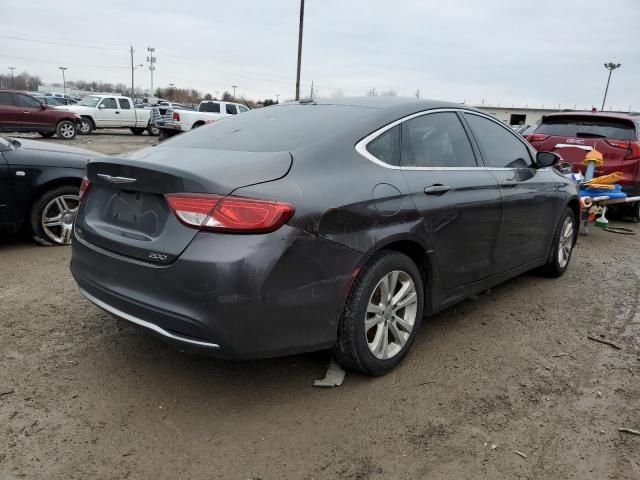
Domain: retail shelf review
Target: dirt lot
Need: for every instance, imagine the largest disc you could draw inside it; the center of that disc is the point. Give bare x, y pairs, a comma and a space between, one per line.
85, 396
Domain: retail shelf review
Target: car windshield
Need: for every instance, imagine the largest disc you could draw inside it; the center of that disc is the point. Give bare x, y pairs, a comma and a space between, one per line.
89, 101
587, 127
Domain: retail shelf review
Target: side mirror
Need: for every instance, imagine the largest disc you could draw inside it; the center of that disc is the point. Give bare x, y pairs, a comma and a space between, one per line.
101, 105
547, 159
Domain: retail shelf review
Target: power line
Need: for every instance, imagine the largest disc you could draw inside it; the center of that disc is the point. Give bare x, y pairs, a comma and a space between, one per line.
31, 59
56, 42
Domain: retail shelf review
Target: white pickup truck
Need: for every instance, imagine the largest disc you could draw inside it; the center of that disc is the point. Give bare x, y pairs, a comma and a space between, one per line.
175, 121
112, 111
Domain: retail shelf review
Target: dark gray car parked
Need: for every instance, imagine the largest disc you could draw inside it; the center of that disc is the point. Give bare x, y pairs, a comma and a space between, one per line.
316, 225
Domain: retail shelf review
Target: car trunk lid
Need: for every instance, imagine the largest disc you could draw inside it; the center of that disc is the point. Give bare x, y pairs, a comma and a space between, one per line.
125, 210
573, 136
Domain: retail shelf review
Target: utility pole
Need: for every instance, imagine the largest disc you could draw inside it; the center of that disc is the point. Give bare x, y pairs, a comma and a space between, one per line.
171, 85
611, 67
278, 99
151, 60
13, 84
418, 94
234, 91
64, 81
300, 26
311, 92
132, 69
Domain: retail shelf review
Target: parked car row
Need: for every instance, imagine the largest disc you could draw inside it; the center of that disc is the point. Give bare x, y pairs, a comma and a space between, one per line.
174, 119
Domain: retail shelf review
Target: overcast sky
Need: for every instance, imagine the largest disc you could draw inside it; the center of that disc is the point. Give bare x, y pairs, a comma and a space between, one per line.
533, 52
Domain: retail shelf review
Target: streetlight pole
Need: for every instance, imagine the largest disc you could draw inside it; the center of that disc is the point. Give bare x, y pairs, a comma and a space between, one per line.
611, 67
13, 84
64, 81
171, 85
300, 25
277, 98
234, 91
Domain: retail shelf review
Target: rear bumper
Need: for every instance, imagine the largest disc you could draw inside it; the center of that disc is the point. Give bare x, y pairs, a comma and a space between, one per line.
227, 296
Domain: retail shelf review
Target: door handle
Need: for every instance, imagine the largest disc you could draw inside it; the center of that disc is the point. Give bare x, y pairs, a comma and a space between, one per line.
26, 112
117, 113
436, 189
509, 183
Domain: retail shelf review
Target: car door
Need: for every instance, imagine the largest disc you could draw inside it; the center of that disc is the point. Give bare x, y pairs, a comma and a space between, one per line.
5, 187
9, 112
529, 196
108, 113
458, 199
31, 115
127, 114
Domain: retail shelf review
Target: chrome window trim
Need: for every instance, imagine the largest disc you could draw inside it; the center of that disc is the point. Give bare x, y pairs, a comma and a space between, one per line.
143, 323
361, 146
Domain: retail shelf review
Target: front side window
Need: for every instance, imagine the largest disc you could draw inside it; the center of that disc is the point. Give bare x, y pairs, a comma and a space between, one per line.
109, 103
436, 140
124, 104
5, 99
231, 109
27, 102
500, 148
386, 147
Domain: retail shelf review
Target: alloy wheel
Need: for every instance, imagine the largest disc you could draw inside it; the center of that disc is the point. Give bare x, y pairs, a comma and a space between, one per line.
85, 126
566, 242
391, 315
58, 216
67, 130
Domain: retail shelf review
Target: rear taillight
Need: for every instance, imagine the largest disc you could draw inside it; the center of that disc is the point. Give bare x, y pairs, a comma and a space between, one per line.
633, 148
84, 187
176, 116
537, 137
229, 214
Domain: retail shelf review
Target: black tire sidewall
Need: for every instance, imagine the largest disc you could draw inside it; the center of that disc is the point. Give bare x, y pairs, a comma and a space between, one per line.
380, 267
35, 215
553, 265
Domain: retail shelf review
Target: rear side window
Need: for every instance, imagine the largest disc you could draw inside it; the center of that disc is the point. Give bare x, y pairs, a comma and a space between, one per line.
5, 99
124, 104
386, 147
242, 109
500, 148
231, 109
436, 140
27, 102
210, 107
587, 127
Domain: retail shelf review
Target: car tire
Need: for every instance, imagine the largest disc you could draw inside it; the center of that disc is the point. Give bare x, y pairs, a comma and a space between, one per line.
369, 318
153, 130
57, 202
86, 126
564, 239
137, 131
46, 134
66, 130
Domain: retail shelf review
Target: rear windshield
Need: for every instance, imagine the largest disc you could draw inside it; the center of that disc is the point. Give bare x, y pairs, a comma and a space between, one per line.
271, 129
588, 127
210, 107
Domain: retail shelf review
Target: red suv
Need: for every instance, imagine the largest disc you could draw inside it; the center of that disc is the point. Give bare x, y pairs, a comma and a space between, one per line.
20, 112
615, 135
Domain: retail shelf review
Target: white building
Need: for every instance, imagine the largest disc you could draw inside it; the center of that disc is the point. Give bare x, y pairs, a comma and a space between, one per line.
517, 116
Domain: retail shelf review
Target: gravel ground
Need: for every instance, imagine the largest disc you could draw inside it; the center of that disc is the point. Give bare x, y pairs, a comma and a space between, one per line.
85, 396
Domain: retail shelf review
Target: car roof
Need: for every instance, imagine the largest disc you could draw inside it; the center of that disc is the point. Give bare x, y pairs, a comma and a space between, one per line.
586, 113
